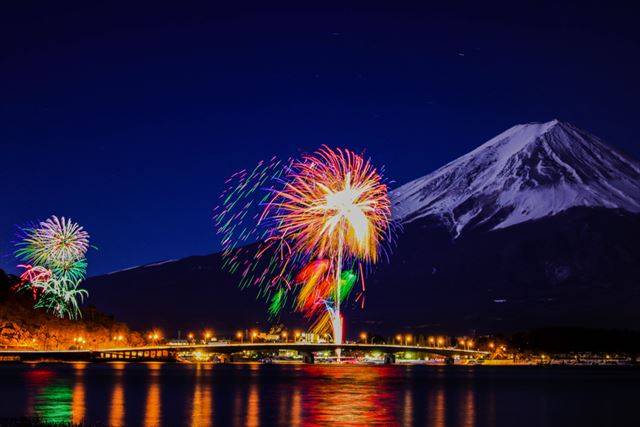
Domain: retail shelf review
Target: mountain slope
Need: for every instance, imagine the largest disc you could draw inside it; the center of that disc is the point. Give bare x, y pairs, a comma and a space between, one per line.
537, 227
529, 171
578, 268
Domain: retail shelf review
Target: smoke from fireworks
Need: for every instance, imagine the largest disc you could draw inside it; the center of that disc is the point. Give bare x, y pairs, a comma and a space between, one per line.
315, 216
55, 250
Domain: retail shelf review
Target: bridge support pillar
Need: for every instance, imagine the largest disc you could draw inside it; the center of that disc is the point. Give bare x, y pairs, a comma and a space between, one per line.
448, 360
307, 357
389, 359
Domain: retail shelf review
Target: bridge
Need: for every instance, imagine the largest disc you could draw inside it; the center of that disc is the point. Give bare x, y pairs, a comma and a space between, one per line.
227, 350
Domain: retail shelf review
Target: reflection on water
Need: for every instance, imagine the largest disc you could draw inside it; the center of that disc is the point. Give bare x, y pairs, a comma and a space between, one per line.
201, 405
357, 395
296, 408
299, 395
117, 411
50, 397
153, 406
407, 408
469, 411
253, 407
78, 398
437, 408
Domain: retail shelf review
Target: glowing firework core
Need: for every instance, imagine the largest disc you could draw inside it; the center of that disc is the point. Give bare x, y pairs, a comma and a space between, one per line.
335, 206
346, 207
328, 210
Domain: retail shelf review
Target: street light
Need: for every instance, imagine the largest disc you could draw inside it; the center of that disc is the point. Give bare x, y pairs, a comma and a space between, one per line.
254, 334
363, 337
190, 336
440, 341
297, 335
240, 336
399, 338
284, 335
407, 340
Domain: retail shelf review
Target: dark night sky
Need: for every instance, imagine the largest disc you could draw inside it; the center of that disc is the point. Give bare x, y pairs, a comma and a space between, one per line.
128, 118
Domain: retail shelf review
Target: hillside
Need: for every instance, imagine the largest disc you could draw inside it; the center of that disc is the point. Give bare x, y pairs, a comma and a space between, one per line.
21, 326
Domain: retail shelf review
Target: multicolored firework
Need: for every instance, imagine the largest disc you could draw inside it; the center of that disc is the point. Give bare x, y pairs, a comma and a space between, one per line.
316, 215
55, 250
60, 295
55, 241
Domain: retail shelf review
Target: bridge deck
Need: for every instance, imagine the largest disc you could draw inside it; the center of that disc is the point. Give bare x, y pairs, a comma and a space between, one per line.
166, 351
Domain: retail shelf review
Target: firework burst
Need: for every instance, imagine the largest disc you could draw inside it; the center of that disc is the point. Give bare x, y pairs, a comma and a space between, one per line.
314, 216
55, 242
334, 205
335, 208
55, 252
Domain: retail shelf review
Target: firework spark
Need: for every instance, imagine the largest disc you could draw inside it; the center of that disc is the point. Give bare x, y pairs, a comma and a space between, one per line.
335, 208
60, 295
314, 215
33, 275
335, 204
54, 243
55, 251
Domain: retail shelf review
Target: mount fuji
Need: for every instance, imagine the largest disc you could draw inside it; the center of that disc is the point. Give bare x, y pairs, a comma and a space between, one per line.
539, 226
528, 172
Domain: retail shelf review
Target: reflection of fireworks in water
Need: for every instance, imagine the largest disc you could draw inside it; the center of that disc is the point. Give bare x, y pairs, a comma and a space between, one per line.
320, 213
55, 251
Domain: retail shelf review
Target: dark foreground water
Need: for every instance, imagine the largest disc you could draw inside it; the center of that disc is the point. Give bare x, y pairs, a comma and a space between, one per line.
157, 394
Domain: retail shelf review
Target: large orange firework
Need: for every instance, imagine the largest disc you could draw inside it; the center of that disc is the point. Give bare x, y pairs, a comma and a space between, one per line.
334, 207
323, 220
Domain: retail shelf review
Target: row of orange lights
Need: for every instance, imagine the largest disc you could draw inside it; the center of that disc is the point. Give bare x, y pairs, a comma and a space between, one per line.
254, 335
207, 335
408, 339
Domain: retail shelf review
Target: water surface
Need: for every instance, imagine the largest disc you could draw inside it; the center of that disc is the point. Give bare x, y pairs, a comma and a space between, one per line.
157, 394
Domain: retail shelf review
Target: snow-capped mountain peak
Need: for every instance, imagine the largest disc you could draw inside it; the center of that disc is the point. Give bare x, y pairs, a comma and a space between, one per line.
527, 172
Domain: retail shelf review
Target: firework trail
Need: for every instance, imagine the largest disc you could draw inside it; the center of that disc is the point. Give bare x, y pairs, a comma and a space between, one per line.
55, 252
60, 295
303, 230
334, 207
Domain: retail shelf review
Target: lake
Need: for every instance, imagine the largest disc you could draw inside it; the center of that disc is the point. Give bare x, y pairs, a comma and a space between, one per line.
163, 394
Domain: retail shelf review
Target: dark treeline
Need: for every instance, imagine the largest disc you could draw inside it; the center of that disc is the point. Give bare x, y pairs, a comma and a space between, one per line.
566, 340
7, 280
